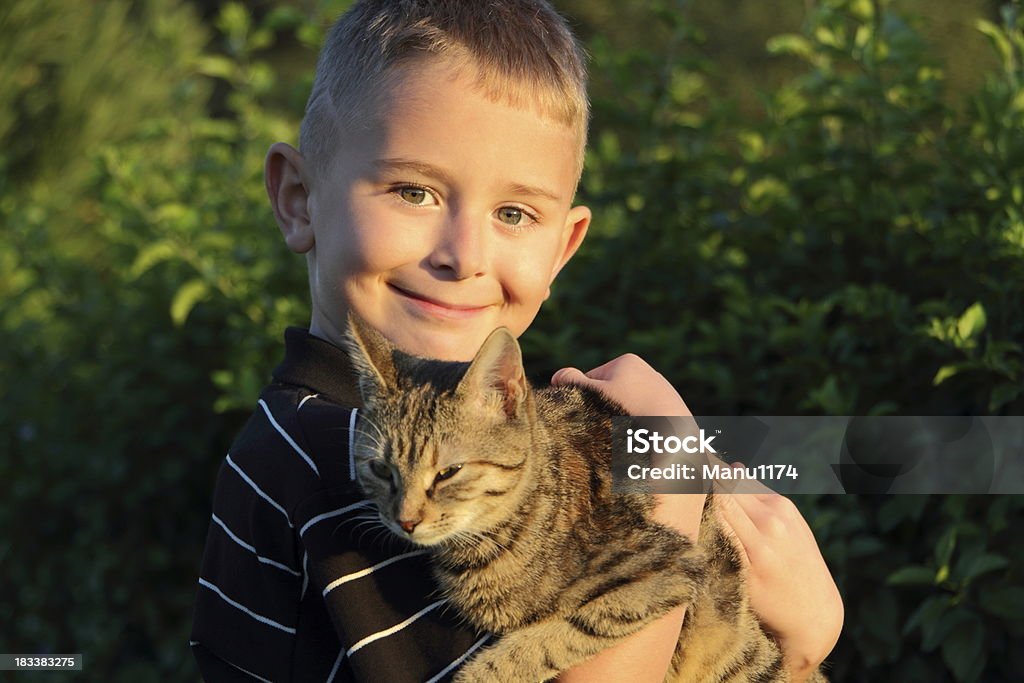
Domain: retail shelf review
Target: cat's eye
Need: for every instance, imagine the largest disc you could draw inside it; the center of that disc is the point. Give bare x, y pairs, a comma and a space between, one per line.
381, 469
447, 473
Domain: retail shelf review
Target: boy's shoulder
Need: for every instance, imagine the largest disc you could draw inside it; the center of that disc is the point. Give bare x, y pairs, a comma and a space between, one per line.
298, 439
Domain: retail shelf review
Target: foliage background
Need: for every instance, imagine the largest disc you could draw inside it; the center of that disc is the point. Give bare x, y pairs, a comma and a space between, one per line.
802, 208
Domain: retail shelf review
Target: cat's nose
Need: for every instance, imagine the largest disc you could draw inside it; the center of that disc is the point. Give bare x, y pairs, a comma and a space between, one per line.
409, 524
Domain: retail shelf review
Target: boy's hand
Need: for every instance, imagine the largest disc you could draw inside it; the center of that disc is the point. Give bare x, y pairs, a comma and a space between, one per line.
629, 380
642, 390
791, 588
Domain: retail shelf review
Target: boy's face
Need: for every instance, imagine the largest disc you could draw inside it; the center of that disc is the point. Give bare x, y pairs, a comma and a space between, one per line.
448, 217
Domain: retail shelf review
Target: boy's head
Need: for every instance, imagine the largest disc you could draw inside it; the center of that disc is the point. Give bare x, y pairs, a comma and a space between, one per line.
439, 155
520, 52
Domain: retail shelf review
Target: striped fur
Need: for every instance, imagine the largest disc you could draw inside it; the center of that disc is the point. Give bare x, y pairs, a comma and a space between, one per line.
510, 488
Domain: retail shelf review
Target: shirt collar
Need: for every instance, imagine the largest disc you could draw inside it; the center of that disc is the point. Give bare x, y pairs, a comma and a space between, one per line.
312, 362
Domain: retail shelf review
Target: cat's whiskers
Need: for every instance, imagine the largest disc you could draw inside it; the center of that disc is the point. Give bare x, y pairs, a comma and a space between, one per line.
375, 517
365, 419
374, 442
367, 525
479, 542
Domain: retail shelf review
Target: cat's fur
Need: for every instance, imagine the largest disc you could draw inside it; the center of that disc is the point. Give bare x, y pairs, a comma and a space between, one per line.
511, 489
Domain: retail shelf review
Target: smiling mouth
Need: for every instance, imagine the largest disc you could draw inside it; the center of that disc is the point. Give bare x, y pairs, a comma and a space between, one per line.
436, 306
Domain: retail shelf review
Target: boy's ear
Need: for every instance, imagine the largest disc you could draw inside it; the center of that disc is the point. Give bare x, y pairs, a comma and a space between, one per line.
495, 378
372, 358
575, 229
289, 196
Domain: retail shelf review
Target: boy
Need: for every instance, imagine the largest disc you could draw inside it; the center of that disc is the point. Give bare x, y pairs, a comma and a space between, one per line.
440, 152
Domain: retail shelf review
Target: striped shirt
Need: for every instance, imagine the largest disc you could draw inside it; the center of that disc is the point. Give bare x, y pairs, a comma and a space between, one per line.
298, 580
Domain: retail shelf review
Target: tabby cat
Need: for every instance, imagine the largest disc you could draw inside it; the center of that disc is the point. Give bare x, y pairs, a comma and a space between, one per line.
511, 489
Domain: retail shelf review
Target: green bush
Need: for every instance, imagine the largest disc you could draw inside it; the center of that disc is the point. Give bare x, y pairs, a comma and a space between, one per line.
857, 248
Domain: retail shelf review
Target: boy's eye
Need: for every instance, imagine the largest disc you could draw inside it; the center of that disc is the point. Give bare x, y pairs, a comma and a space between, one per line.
510, 215
447, 473
381, 469
414, 195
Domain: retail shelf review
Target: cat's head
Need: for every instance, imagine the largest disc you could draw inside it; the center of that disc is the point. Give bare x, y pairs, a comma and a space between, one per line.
442, 448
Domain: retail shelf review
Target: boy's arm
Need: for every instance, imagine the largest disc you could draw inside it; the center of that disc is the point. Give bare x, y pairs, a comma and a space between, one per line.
646, 655
245, 611
792, 592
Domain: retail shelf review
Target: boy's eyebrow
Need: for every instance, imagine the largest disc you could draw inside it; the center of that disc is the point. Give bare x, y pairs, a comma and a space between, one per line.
420, 167
423, 168
532, 190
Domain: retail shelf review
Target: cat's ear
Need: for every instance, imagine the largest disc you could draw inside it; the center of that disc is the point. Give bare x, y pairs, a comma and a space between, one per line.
496, 378
372, 358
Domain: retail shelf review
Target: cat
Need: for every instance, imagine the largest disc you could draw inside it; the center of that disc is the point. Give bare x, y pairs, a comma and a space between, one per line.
510, 488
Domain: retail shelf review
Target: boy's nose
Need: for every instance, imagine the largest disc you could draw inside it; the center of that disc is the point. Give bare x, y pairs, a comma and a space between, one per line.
461, 248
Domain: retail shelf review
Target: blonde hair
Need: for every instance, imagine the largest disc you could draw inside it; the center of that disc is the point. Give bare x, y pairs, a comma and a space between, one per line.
523, 51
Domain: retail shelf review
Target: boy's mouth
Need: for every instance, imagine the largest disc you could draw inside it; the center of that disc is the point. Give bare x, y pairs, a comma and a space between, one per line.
436, 307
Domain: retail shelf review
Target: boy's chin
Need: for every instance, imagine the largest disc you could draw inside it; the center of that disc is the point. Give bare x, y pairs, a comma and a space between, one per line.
449, 345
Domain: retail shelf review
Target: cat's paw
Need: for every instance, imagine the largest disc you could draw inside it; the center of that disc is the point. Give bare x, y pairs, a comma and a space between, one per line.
522, 656
486, 667
477, 672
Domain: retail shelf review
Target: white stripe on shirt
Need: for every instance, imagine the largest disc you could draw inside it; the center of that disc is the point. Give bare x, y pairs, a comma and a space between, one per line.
193, 643
333, 513
460, 660
303, 401
287, 437
252, 549
337, 663
258, 490
237, 605
369, 570
305, 574
351, 445
394, 629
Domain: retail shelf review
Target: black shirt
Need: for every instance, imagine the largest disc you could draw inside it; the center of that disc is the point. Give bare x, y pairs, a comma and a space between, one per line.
298, 581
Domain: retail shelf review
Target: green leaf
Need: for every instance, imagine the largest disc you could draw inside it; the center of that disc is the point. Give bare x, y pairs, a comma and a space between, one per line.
1003, 601
929, 611
944, 373
913, 575
790, 44
935, 632
986, 562
152, 254
1003, 394
944, 548
998, 38
865, 545
962, 650
972, 322
862, 10
185, 299
216, 66
234, 20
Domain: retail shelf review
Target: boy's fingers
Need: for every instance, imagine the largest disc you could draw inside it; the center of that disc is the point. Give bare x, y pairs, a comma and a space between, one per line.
602, 372
568, 376
744, 486
736, 524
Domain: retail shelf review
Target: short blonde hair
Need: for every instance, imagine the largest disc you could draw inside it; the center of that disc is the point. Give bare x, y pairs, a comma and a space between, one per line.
523, 51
